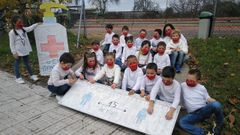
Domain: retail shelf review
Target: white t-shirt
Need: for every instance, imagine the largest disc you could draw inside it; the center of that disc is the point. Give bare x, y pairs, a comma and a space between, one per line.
117, 48
154, 42
122, 39
167, 39
127, 52
89, 73
138, 42
99, 55
108, 38
181, 45
194, 98
109, 73
144, 59
130, 78
147, 84
57, 76
20, 43
169, 93
161, 60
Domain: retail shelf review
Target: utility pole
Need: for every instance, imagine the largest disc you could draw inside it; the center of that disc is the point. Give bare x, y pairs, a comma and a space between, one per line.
80, 23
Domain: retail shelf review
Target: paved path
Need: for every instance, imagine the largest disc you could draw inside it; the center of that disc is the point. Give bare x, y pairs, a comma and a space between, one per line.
27, 109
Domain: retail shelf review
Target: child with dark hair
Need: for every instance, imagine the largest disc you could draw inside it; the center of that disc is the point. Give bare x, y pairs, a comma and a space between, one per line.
167, 89
146, 82
129, 49
199, 105
99, 54
161, 58
141, 37
143, 55
132, 73
108, 37
155, 40
89, 68
116, 48
62, 77
125, 33
20, 46
110, 72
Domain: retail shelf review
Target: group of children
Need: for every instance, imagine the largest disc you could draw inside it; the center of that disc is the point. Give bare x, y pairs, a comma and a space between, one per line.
142, 66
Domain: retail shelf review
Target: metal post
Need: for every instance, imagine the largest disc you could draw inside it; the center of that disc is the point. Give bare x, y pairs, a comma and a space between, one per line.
79, 27
84, 20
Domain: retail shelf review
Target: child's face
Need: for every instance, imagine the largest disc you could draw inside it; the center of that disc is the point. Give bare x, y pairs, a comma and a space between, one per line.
167, 81
156, 35
95, 47
168, 31
108, 30
124, 32
132, 64
175, 37
142, 34
151, 74
19, 24
91, 62
110, 61
65, 66
115, 41
161, 50
129, 43
191, 80
145, 49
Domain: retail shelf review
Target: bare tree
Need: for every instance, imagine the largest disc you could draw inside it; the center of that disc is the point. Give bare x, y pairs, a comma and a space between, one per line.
145, 5
101, 5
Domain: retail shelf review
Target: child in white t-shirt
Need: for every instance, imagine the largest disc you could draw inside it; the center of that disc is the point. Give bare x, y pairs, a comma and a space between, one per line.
142, 37
125, 33
99, 54
116, 48
155, 40
107, 38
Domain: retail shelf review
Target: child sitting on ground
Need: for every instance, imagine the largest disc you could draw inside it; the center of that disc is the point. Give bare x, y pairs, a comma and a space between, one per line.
125, 33
167, 89
62, 77
131, 74
141, 38
89, 68
116, 48
110, 71
177, 50
155, 40
161, 58
199, 105
98, 52
108, 37
143, 55
147, 81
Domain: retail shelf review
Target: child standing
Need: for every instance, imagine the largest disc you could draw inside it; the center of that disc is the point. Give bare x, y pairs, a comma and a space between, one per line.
108, 37
125, 33
143, 55
110, 71
142, 37
98, 52
167, 89
161, 58
199, 105
155, 40
116, 48
129, 49
62, 77
131, 74
89, 68
20, 47
177, 50
147, 81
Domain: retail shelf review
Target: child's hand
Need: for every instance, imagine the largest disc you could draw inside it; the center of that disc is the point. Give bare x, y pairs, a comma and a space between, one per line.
15, 56
81, 77
150, 109
131, 92
142, 94
169, 115
72, 81
178, 49
114, 85
92, 81
147, 97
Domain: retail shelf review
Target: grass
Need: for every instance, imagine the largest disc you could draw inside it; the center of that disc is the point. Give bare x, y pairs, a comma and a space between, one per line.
219, 61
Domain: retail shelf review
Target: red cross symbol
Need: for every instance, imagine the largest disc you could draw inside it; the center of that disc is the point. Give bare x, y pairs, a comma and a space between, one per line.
52, 46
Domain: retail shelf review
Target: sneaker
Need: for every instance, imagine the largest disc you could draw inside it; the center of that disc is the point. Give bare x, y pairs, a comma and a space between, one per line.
178, 69
34, 77
20, 80
52, 94
59, 97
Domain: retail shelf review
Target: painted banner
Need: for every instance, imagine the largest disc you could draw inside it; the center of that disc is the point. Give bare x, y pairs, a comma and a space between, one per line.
51, 41
114, 105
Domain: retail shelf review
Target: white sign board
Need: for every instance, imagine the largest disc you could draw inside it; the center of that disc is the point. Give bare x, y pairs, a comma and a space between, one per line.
117, 107
51, 41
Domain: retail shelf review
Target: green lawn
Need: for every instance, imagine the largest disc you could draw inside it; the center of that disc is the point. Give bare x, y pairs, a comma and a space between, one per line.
219, 61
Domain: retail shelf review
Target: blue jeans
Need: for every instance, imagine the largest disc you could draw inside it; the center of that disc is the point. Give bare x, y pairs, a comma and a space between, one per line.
187, 122
177, 58
59, 90
118, 61
26, 63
